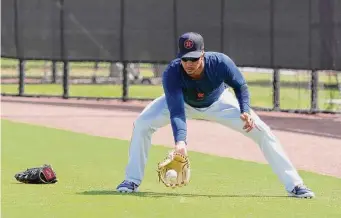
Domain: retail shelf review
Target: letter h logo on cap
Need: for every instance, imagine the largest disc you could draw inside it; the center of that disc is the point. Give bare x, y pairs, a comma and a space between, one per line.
188, 44
191, 45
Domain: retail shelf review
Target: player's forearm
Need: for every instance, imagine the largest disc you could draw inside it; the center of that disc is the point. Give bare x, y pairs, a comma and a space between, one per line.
177, 116
243, 97
179, 128
176, 108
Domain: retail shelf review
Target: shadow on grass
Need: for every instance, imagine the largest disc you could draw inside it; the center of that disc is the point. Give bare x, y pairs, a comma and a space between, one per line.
167, 194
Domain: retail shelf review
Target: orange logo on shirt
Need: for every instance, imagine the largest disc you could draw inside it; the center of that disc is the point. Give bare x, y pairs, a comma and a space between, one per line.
200, 95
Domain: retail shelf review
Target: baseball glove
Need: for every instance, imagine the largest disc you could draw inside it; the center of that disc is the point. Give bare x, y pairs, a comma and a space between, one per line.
37, 175
178, 162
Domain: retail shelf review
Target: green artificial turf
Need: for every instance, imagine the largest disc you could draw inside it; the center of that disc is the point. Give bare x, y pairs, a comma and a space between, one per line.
89, 168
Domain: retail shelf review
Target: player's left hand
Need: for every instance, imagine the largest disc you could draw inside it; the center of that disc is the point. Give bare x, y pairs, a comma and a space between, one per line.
181, 148
248, 120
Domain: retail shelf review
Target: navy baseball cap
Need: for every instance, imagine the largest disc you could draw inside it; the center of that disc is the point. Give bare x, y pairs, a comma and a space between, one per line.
191, 45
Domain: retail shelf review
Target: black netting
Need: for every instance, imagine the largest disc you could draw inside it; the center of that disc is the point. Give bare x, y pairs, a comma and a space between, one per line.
325, 34
8, 46
149, 30
291, 34
92, 29
203, 17
38, 29
302, 34
247, 32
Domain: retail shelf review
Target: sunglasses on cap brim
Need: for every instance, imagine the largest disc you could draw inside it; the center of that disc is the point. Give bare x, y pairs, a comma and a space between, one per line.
190, 59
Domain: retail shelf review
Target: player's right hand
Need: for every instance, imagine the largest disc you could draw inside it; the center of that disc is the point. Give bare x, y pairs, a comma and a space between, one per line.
249, 122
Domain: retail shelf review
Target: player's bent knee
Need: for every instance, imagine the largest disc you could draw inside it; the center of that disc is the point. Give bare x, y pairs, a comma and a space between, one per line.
261, 130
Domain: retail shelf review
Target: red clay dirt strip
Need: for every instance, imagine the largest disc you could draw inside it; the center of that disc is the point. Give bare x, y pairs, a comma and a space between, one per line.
313, 142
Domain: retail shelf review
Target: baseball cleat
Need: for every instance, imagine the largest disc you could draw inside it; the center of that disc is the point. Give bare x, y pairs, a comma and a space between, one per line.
127, 187
301, 191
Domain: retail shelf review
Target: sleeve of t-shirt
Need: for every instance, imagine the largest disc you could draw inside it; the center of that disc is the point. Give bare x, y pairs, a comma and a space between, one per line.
234, 78
175, 103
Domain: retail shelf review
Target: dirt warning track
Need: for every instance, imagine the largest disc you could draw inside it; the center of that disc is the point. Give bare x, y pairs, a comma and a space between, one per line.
312, 142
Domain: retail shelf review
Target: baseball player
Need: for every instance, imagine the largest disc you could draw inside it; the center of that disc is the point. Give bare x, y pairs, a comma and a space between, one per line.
196, 85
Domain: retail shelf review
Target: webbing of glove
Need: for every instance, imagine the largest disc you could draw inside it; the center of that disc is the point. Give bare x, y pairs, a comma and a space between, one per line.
178, 162
37, 175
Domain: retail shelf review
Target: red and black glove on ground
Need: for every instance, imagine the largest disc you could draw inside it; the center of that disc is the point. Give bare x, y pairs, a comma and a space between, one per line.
38, 175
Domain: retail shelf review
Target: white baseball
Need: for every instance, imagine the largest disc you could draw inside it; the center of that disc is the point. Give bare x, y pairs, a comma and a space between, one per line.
171, 176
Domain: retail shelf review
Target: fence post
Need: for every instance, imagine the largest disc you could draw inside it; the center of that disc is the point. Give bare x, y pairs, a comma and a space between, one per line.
125, 82
276, 75
21, 77
125, 85
314, 91
276, 90
94, 74
65, 79
54, 72
222, 24
19, 49
63, 53
175, 26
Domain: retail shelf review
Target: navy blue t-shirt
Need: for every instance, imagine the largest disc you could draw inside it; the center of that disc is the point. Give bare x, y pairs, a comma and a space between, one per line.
219, 73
